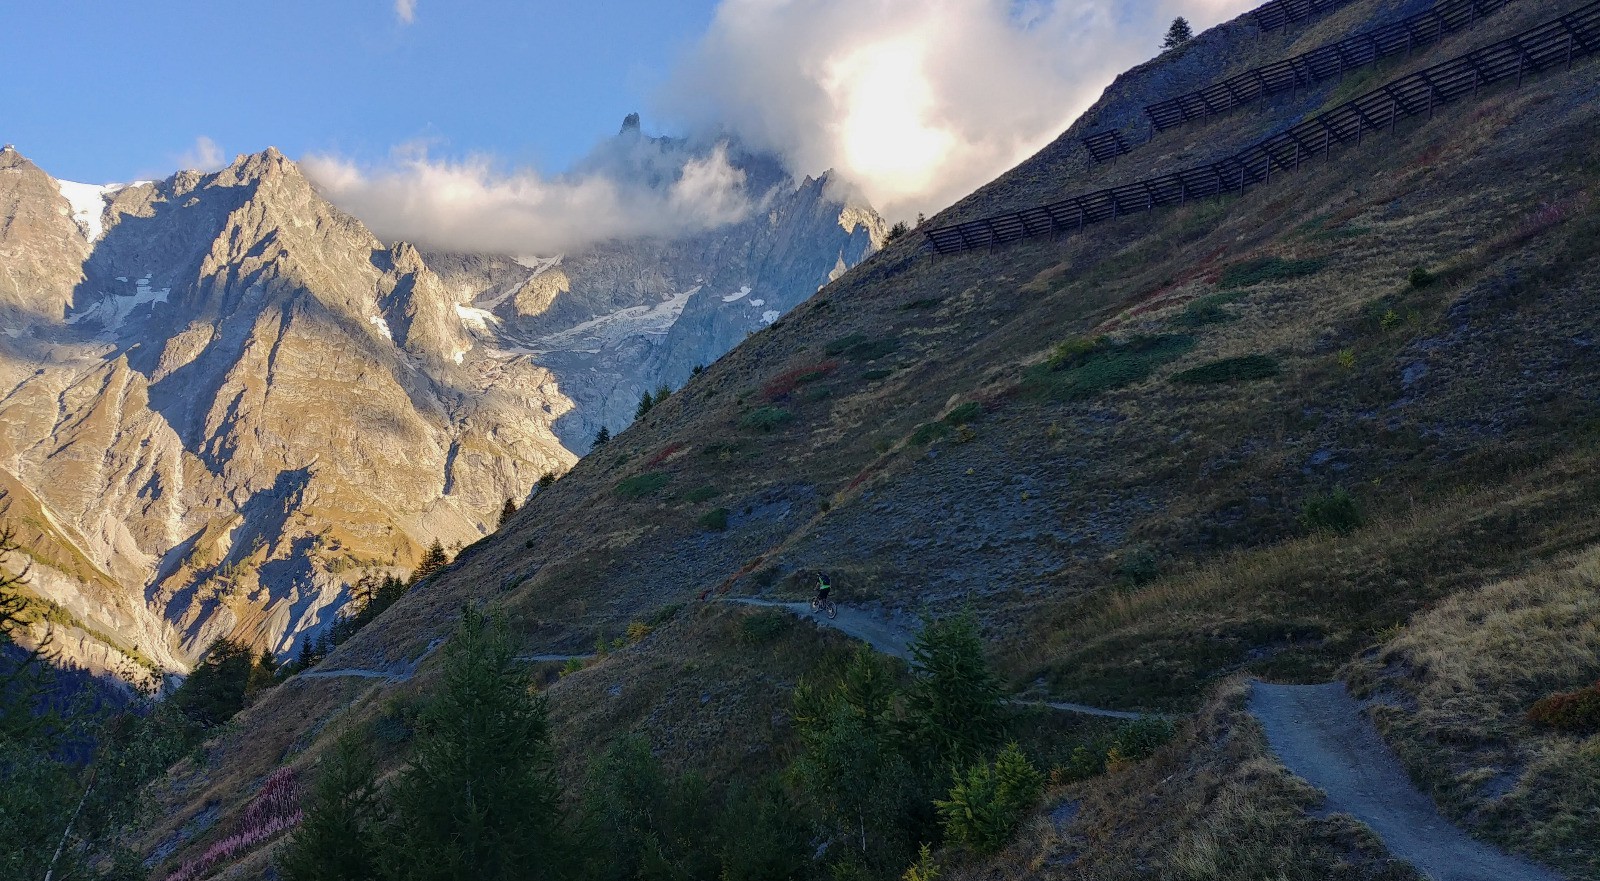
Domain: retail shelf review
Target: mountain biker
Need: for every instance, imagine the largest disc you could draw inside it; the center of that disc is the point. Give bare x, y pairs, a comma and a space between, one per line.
823, 587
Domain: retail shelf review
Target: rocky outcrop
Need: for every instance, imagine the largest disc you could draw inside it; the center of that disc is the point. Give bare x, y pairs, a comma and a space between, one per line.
224, 399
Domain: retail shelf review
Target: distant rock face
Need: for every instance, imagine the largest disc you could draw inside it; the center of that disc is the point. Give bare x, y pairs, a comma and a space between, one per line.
225, 400
619, 319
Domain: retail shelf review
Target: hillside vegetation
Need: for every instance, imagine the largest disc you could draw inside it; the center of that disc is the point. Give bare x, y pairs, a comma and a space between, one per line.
1348, 418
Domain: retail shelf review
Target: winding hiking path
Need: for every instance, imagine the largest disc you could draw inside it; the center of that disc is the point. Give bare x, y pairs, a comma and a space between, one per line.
885, 637
1320, 734
403, 672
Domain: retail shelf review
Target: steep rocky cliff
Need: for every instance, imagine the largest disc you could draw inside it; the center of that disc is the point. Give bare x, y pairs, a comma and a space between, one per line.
224, 399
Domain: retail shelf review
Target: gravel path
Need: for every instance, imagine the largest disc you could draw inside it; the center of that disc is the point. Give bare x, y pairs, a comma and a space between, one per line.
399, 672
891, 640
870, 629
1320, 733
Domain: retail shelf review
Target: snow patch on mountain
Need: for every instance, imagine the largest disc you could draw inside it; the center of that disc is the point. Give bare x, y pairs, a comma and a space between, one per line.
383, 327
476, 319
596, 334
743, 292
88, 205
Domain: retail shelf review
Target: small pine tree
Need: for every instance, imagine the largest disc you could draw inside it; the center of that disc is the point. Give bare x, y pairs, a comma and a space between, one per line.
954, 703
264, 673
1178, 34
216, 688
506, 512
645, 403
547, 480
601, 436
338, 838
986, 805
478, 799
663, 391
897, 232
432, 561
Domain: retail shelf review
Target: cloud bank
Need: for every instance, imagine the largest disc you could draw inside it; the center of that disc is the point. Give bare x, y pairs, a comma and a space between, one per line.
628, 187
918, 102
914, 102
405, 10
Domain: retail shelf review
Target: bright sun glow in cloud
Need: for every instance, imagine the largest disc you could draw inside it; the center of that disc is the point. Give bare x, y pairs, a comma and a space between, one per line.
885, 101
917, 102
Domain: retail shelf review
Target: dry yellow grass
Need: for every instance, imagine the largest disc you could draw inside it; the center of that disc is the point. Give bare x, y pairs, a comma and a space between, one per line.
1456, 684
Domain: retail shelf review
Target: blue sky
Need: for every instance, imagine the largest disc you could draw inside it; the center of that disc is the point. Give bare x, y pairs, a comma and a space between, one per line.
100, 90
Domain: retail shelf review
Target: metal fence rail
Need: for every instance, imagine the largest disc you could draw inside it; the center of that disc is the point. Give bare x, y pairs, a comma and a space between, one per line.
1324, 62
1554, 44
1282, 13
1106, 145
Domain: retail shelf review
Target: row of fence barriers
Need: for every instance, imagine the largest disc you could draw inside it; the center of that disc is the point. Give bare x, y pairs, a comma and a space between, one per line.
1554, 44
1324, 62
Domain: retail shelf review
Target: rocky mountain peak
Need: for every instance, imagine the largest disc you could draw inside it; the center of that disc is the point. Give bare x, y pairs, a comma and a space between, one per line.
630, 125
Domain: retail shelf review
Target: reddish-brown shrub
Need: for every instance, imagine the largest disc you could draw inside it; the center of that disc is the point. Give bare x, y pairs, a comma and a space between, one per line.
662, 456
784, 384
1574, 711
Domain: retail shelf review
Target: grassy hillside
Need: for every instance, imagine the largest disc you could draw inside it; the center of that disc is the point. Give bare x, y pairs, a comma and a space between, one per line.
1252, 436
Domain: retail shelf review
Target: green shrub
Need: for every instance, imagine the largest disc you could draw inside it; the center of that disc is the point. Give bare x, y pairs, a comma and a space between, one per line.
844, 344
1335, 512
1576, 712
1205, 310
1138, 566
702, 494
664, 614
1241, 369
984, 809
1264, 269
1420, 277
763, 627
642, 485
714, 521
924, 869
1131, 742
1084, 367
1139, 739
963, 414
928, 432
766, 418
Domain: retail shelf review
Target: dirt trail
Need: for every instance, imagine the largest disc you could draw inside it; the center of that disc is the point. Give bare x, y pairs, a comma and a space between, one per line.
1320, 733
895, 641
398, 672
873, 631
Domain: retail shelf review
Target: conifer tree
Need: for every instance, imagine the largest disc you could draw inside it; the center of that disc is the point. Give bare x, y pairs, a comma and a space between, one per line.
432, 561
478, 799
338, 838
1178, 34
601, 436
645, 403
954, 703
506, 512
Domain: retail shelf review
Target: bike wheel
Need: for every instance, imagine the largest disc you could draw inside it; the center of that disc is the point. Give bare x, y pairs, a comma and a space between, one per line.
833, 610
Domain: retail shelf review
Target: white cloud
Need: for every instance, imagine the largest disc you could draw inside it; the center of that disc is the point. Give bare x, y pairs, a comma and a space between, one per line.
205, 155
405, 10
628, 187
917, 101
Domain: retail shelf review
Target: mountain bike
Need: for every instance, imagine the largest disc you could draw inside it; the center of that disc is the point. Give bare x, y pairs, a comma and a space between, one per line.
827, 605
